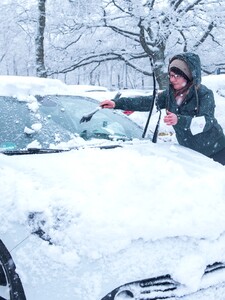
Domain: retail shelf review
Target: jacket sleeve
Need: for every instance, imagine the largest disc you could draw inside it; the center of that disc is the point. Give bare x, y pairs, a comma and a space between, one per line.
140, 103
206, 110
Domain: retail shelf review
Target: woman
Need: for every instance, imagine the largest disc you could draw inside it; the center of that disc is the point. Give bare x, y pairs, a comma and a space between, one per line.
190, 107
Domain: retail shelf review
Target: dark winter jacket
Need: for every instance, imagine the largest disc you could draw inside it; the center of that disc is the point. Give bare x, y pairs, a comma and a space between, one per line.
198, 102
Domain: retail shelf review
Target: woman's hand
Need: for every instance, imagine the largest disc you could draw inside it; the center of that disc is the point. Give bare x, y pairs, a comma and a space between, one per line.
170, 118
107, 104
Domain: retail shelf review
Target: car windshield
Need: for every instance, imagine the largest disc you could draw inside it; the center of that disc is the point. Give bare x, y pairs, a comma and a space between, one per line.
50, 121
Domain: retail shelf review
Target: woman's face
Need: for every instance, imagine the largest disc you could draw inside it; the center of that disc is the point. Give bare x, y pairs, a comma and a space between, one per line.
178, 82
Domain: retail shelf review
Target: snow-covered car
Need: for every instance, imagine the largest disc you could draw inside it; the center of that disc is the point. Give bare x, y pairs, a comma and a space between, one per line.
103, 215
35, 123
10, 284
45, 122
108, 224
87, 88
93, 91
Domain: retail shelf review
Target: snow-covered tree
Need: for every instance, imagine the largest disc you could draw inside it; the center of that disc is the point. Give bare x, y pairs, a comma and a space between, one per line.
18, 25
39, 40
159, 29
110, 41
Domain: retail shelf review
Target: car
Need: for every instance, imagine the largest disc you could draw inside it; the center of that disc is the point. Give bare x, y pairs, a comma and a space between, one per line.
94, 91
77, 228
10, 284
42, 123
219, 71
87, 88
104, 214
45, 122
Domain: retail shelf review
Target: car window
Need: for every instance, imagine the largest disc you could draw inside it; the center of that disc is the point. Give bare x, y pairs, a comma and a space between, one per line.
56, 119
20, 126
106, 124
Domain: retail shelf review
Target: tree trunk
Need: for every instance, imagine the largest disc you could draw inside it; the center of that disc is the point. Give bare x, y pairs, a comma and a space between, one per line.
159, 68
39, 40
156, 55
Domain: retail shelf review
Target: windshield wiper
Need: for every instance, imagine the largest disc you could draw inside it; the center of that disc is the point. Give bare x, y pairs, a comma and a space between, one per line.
46, 151
32, 151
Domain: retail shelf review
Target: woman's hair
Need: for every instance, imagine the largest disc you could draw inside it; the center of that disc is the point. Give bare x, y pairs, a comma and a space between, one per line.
179, 72
180, 67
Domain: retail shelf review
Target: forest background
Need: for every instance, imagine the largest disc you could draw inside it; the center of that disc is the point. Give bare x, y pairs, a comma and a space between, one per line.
114, 43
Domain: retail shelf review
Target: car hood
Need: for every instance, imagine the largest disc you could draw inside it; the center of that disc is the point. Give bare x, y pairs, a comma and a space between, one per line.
112, 216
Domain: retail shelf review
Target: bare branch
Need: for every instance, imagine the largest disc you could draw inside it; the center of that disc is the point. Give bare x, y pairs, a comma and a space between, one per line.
2, 57
150, 4
125, 33
103, 58
190, 7
205, 35
175, 4
143, 40
185, 41
121, 9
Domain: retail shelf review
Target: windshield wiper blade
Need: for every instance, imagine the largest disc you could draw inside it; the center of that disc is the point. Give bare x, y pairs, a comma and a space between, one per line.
108, 146
47, 150
32, 151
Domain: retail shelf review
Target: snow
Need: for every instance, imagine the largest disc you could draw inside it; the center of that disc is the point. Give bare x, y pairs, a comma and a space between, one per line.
130, 213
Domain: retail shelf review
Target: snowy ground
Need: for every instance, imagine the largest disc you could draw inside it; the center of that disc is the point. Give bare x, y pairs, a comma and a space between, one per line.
125, 214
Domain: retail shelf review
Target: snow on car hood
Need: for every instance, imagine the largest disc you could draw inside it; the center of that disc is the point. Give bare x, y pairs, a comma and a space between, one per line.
113, 204
129, 188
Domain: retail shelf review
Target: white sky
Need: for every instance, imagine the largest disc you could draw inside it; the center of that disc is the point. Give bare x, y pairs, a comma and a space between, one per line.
125, 214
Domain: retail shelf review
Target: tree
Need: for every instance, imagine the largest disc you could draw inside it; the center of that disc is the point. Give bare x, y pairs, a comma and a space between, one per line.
140, 30
161, 27
108, 41
39, 40
18, 23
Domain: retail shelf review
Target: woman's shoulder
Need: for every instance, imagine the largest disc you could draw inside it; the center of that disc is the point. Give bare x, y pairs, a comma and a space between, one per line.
204, 91
163, 93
